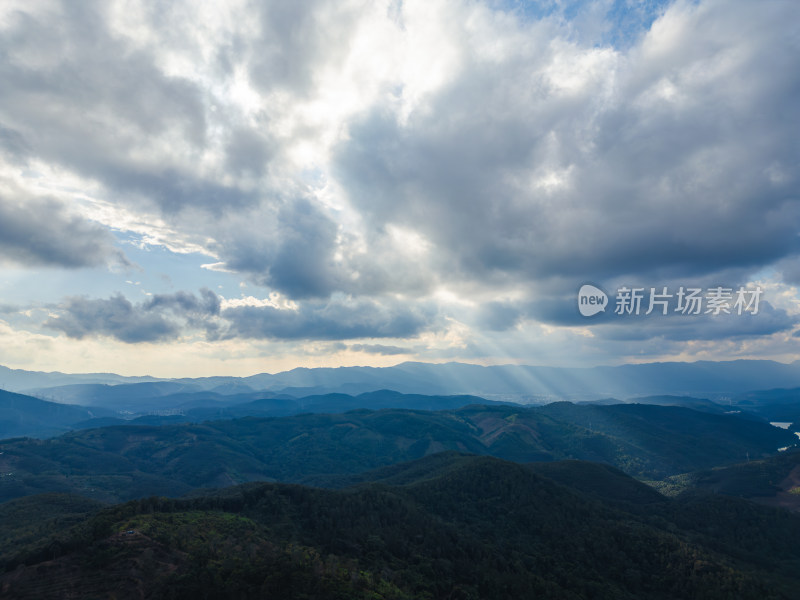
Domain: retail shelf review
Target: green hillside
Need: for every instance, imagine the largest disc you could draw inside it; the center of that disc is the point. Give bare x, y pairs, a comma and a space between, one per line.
774, 481
466, 527
119, 463
22, 415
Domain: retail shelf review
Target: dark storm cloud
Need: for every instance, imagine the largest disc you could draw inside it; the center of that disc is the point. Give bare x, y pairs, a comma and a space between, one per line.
292, 252
561, 310
162, 317
680, 161
301, 265
672, 326
40, 232
790, 269
333, 320
682, 328
440, 176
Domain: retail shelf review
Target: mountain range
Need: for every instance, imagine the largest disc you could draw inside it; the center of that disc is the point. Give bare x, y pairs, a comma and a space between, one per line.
118, 463
324, 483
502, 382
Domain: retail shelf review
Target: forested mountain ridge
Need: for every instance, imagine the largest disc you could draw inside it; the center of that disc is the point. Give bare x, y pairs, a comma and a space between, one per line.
124, 462
774, 481
23, 415
159, 404
457, 527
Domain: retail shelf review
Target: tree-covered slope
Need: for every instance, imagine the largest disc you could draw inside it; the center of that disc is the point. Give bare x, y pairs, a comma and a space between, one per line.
22, 415
773, 481
125, 462
466, 527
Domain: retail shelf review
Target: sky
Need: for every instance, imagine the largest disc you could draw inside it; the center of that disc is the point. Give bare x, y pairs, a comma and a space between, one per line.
228, 188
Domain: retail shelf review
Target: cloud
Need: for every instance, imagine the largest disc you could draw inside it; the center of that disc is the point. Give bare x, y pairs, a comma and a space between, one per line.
161, 318
12, 144
297, 248
559, 159
337, 319
248, 152
85, 98
115, 317
390, 169
789, 269
36, 231
292, 254
208, 303
379, 349
498, 316
561, 310
198, 130
679, 327
297, 41
165, 317
195, 313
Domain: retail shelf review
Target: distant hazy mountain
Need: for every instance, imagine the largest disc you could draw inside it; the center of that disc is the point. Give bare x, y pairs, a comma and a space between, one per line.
543, 383
774, 404
144, 404
512, 382
101, 394
17, 380
22, 415
700, 404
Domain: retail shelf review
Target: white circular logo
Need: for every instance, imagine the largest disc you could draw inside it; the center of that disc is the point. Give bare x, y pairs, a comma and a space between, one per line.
591, 300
